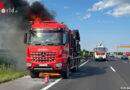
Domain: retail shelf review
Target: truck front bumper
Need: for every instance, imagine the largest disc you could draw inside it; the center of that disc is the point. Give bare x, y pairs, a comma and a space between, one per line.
44, 67
100, 57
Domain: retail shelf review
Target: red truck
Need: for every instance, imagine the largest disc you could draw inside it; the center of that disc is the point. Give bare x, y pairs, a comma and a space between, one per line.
52, 48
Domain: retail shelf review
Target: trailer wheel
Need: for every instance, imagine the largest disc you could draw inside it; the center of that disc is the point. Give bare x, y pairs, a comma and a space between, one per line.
34, 74
66, 74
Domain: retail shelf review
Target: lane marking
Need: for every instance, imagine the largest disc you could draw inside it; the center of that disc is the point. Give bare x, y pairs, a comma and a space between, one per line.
50, 85
83, 64
58, 80
124, 62
113, 69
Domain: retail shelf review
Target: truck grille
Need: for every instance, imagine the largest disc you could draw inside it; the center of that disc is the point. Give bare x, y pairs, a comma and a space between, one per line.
48, 57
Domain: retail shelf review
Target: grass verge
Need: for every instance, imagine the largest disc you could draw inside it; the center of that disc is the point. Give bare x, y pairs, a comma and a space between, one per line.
8, 73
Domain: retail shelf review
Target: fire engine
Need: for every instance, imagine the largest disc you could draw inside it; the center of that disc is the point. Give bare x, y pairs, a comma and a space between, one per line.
100, 53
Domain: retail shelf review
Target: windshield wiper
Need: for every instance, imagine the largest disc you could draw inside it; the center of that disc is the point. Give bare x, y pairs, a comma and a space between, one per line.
50, 44
36, 43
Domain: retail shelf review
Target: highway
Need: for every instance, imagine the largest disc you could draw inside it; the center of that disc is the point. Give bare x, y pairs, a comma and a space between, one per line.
113, 74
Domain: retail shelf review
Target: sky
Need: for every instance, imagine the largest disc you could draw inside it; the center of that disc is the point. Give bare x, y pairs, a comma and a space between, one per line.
97, 20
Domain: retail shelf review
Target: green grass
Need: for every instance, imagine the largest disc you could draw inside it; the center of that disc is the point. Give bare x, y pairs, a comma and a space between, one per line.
8, 73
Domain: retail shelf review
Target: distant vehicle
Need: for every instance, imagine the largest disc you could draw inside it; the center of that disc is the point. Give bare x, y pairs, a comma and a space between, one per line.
124, 57
100, 53
111, 55
127, 53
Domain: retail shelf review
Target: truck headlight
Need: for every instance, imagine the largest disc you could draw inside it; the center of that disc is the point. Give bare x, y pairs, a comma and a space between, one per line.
58, 64
28, 64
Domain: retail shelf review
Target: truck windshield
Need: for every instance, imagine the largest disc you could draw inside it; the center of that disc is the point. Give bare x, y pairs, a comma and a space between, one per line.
45, 38
100, 49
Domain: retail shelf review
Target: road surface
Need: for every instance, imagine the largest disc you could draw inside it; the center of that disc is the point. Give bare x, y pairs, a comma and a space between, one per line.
113, 74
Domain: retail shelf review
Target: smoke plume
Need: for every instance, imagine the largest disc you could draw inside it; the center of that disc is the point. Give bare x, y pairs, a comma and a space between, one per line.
15, 23
38, 11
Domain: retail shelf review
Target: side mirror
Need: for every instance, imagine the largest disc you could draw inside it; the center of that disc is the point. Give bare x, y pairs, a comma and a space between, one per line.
25, 38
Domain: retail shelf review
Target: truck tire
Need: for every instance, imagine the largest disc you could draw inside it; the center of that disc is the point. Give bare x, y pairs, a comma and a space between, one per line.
66, 74
34, 74
104, 59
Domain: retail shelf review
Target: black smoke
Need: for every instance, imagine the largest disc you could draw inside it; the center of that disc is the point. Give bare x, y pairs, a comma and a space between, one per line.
37, 9
14, 25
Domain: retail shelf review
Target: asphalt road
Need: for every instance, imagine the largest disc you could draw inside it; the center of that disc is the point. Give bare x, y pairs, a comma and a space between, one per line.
113, 74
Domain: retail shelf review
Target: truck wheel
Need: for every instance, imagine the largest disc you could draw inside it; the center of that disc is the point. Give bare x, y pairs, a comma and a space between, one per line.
34, 74
104, 59
66, 73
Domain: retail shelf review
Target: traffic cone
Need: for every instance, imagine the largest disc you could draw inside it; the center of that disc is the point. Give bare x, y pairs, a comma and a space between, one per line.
46, 78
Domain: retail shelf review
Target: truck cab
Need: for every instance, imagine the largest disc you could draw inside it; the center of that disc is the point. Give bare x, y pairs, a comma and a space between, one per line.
50, 48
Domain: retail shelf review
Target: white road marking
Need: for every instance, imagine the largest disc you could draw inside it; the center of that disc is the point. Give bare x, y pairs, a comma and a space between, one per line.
50, 85
124, 62
83, 64
113, 69
58, 80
